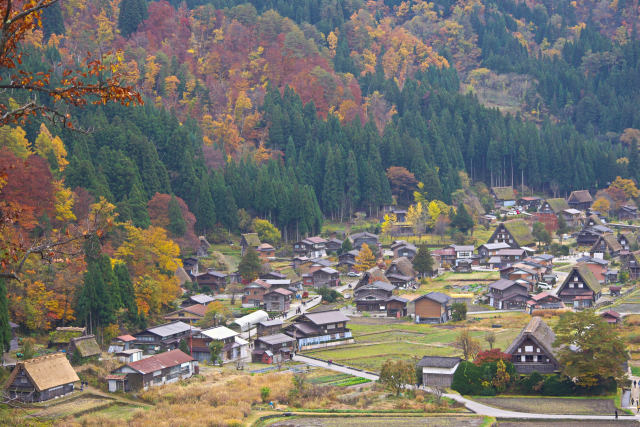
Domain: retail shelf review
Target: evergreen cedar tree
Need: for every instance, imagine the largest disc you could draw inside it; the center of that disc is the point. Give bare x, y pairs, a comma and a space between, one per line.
132, 13
423, 261
462, 219
249, 266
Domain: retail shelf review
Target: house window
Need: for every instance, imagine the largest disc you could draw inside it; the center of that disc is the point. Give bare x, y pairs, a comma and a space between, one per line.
571, 285
575, 278
528, 348
580, 285
522, 358
519, 350
538, 349
331, 326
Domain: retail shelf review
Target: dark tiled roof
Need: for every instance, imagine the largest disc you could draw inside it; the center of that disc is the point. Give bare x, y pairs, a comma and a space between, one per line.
438, 297
438, 362
276, 339
325, 317
502, 284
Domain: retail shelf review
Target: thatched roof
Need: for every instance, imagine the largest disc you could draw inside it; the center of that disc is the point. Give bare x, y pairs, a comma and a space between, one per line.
504, 193
558, 204
45, 372
252, 239
520, 231
63, 335
611, 241
87, 346
587, 276
580, 196
539, 331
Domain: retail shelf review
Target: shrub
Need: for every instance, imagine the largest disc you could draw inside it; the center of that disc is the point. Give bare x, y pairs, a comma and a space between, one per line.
467, 379
555, 386
533, 382
264, 393
458, 311
490, 356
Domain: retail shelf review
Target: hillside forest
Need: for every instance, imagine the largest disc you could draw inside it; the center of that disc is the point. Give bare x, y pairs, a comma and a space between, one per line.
297, 111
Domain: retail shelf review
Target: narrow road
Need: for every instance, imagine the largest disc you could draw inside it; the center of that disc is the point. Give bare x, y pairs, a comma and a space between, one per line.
472, 405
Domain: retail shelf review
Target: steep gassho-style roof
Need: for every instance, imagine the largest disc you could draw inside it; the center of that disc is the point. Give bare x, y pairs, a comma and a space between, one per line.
588, 277
611, 242
438, 362
252, 239
504, 193
87, 345
45, 372
539, 330
324, 317
160, 361
405, 266
580, 196
558, 204
520, 231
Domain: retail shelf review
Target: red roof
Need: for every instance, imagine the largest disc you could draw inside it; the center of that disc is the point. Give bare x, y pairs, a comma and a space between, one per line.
583, 297
126, 338
611, 313
160, 361
281, 291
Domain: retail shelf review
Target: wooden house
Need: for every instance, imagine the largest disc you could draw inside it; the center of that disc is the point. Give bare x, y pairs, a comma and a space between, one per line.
401, 248
607, 244
488, 250
333, 246
511, 255
396, 306
370, 239
437, 371
573, 217
128, 356
444, 257
431, 308
373, 296
253, 293
515, 233
163, 337
508, 295
612, 317
273, 348
322, 277
530, 203
249, 240
463, 252
631, 262
628, 240
234, 348
590, 234
215, 281
163, 368
400, 272
503, 196
532, 350
266, 252
202, 299
83, 347
203, 246
122, 342
598, 267
628, 212
190, 314
269, 327
278, 299
320, 329
348, 259
273, 275
580, 289
190, 264
61, 337
544, 301
311, 247
580, 200
41, 378
554, 206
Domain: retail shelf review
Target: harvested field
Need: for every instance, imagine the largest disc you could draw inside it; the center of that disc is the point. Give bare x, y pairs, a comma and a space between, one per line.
399, 421
552, 405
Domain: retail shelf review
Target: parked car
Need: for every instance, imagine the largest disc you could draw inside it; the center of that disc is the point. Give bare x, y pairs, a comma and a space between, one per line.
545, 286
512, 213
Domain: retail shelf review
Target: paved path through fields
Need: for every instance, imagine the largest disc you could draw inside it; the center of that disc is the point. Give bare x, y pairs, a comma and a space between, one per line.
472, 405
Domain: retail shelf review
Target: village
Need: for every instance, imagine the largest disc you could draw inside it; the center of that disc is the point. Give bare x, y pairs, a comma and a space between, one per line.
356, 303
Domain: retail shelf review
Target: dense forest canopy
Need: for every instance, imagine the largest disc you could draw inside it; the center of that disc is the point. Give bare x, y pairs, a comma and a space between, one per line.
296, 110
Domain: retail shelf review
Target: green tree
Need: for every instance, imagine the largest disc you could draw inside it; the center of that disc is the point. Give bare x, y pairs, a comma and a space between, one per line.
215, 349
423, 261
132, 13
462, 219
177, 225
458, 311
127, 293
346, 246
249, 266
5, 328
184, 347
396, 375
590, 350
205, 209
540, 233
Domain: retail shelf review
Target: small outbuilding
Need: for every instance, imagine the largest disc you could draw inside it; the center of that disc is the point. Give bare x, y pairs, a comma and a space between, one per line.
84, 347
438, 371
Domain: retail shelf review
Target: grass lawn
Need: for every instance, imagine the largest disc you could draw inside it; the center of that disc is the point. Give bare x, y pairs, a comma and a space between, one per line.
552, 405
384, 421
117, 412
451, 276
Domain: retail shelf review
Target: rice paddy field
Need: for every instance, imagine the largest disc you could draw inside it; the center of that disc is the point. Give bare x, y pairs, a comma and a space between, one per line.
378, 340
